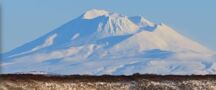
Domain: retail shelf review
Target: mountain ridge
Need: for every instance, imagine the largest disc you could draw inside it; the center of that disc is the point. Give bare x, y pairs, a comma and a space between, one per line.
102, 42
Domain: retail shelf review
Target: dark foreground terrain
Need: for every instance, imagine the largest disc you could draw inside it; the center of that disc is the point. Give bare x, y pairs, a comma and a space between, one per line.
106, 82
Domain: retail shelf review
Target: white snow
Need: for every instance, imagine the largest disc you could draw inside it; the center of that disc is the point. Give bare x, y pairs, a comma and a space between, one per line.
75, 36
120, 25
48, 42
112, 44
91, 14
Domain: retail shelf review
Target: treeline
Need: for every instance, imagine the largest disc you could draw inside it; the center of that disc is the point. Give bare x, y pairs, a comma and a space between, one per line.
103, 78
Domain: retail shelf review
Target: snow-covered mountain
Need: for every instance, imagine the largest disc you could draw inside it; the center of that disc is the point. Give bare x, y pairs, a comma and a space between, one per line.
101, 42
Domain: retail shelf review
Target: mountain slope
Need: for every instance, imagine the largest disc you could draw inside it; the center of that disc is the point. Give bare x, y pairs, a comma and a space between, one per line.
102, 42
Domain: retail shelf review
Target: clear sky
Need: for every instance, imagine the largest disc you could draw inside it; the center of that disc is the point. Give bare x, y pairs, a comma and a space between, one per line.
26, 20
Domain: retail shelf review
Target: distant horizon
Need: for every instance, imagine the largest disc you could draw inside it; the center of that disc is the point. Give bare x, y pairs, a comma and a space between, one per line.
24, 20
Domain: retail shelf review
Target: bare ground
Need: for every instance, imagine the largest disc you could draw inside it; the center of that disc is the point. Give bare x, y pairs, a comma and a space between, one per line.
107, 82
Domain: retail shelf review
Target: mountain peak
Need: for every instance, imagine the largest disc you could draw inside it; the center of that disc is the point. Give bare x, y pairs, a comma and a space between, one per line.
93, 13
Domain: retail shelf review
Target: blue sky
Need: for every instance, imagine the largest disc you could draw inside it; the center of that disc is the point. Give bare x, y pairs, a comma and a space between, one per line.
26, 20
